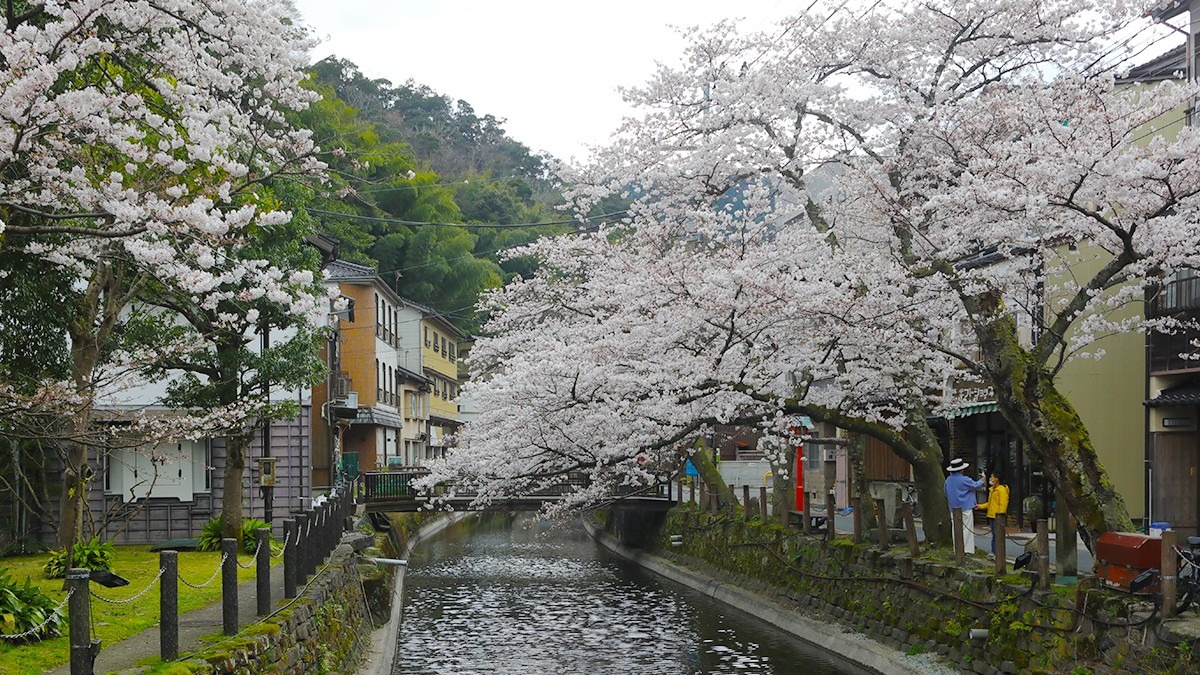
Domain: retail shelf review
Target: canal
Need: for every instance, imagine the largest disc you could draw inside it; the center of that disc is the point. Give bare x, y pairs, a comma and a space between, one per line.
506, 594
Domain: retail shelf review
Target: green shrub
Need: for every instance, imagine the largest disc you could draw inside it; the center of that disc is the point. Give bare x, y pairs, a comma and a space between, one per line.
92, 554
24, 608
210, 534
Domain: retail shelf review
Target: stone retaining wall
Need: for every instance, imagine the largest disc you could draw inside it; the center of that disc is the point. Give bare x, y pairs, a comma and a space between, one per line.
921, 606
325, 630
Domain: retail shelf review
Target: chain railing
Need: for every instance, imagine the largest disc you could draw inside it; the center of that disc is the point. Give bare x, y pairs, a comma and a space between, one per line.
140, 593
210, 579
50, 617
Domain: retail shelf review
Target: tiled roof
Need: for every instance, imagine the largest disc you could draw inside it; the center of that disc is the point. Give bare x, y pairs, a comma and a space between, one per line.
1164, 67
1184, 394
340, 269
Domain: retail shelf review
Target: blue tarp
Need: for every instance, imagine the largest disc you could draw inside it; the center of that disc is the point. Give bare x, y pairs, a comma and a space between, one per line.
690, 468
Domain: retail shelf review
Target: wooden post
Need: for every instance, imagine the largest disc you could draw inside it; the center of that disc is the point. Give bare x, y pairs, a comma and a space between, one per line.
168, 606
1169, 568
830, 512
262, 572
229, 586
746, 502
762, 504
1001, 539
957, 523
910, 529
291, 560
881, 520
79, 619
1043, 554
692, 490
856, 505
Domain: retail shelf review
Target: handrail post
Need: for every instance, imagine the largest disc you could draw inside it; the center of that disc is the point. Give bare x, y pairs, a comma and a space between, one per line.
959, 553
291, 561
262, 573
1001, 541
168, 606
79, 618
1169, 567
881, 520
229, 586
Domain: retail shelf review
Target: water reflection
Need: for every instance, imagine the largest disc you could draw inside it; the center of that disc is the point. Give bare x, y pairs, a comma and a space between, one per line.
510, 596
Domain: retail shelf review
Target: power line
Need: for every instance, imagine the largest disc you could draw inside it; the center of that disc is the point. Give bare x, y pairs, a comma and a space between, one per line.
396, 221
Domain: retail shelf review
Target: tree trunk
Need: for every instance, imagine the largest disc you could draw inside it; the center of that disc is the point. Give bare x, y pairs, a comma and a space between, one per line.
231, 499
702, 459
1051, 429
858, 479
930, 480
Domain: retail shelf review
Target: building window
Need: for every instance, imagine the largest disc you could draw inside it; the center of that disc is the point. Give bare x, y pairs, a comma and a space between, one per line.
453, 351
426, 336
378, 322
445, 351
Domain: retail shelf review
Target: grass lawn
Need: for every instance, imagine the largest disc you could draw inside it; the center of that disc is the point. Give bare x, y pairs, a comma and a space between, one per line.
113, 623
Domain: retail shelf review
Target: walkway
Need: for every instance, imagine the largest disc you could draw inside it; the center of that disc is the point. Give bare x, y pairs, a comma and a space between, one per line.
193, 625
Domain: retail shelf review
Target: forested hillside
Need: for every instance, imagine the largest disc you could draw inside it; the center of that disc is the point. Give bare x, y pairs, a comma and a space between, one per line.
407, 163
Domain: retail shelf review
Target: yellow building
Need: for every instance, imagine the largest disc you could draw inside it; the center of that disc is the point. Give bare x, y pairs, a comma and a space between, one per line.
430, 347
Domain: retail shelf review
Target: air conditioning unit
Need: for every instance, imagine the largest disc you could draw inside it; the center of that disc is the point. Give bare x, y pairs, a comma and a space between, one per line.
422, 437
341, 387
829, 454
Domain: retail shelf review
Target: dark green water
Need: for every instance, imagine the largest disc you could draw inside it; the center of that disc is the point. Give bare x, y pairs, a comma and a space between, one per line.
512, 596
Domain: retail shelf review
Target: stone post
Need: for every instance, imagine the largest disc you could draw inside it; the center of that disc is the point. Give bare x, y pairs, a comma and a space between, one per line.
168, 606
229, 586
291, 561
79, 619
910, 529
830, 512
856, 506
1065, 545
1001, 551
1168, 575
960, 555
881, 521
1043, 554
262, 572
746, 502
762, 504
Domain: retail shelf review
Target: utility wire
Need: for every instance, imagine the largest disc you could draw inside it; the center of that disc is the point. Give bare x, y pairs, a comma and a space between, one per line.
396, 221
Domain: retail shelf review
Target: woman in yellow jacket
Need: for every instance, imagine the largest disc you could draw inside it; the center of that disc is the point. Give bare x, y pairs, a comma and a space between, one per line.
997, 506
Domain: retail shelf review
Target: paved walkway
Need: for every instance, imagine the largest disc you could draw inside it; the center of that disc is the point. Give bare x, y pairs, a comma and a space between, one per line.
193, 625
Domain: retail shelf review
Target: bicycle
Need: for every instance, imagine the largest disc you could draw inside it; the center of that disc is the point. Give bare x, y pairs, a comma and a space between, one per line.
1188, 576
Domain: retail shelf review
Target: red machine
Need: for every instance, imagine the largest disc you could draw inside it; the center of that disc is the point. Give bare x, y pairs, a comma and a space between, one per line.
1121, 556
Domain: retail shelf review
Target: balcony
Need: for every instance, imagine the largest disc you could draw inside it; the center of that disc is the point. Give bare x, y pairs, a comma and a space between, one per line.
1179, 298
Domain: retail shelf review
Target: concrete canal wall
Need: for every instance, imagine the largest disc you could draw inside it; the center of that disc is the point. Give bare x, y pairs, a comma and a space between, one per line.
405, 535
834, 593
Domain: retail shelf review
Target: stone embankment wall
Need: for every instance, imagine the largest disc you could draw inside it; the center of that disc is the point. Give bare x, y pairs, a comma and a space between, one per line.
923, 605
324, 630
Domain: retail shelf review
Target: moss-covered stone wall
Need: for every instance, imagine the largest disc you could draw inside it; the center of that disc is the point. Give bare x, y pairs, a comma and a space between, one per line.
928, 604
325, 630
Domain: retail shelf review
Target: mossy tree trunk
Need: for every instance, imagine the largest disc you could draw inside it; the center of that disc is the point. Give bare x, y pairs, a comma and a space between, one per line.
855, 455
1052, 430
702, 459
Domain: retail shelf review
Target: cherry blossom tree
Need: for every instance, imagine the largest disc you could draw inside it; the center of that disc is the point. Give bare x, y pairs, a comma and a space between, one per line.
135, 136
868, 208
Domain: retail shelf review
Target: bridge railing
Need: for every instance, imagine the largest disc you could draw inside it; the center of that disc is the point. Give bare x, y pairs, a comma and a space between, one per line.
378, 485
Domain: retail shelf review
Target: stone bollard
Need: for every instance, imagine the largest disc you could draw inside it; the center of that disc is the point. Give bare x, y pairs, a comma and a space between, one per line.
1043, 554
746, 502
856, 505
1168, 577
762, 504
830, 513
229, 586
262, 572
168, 606
79, 618
910, 529
960, 555
881, 521
291, 561
1001, 551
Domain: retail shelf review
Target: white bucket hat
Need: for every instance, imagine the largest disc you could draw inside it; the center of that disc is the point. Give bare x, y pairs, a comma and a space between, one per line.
957, 465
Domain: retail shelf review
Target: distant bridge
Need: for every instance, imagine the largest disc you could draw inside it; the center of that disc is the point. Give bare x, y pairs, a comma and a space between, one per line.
393, 492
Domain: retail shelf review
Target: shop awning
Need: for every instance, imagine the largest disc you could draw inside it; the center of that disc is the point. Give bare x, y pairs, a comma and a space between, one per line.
968, 409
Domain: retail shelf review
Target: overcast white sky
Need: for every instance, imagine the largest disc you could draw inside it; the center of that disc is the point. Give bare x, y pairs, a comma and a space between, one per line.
550, 68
